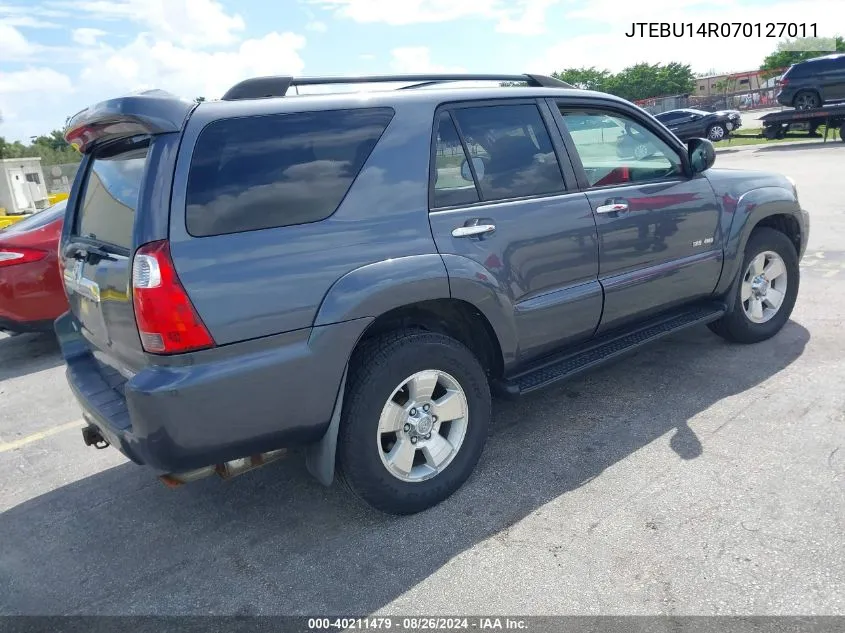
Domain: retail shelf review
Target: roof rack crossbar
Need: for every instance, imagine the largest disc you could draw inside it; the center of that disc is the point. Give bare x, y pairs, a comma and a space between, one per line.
262, 87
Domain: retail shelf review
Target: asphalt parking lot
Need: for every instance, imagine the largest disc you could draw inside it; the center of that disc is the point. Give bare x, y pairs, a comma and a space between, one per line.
693, 478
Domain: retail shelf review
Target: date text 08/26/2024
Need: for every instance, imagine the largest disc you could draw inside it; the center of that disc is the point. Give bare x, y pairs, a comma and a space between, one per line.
722, 29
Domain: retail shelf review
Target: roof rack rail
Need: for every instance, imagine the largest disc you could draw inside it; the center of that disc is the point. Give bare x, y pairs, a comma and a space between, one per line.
264, 87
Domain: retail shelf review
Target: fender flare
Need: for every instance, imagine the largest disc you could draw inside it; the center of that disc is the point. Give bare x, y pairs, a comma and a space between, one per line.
373, 289
751, 208
472, 283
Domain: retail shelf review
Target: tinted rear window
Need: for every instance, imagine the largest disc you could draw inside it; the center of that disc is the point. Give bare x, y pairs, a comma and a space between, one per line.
278, 170
107, 211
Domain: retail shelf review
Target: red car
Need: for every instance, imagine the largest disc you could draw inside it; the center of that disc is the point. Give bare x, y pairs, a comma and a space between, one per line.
31, 291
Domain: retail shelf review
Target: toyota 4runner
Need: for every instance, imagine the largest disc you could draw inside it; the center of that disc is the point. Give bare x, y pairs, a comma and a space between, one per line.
355, 273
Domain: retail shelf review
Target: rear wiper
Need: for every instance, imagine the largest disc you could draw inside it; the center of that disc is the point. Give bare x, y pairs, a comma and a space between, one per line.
88, 253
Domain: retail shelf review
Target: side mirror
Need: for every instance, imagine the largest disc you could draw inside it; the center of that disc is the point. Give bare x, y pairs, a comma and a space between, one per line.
701, 153
466, 172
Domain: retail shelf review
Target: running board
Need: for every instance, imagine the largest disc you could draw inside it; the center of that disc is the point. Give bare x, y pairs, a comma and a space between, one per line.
605, 348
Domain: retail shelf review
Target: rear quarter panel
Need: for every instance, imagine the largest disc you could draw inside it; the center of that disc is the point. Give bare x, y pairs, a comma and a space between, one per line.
253, 284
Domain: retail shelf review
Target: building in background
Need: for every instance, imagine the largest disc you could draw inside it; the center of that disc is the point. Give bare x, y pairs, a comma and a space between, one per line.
729, 83
22, 186
735, 91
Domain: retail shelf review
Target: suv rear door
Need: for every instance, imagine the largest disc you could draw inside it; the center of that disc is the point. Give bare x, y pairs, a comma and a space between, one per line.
514, 215
96, 254
120, 200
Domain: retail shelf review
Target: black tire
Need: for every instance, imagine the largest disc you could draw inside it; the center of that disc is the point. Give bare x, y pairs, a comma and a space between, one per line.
842, 132
806, 100
735, 326
717, 132
374, 372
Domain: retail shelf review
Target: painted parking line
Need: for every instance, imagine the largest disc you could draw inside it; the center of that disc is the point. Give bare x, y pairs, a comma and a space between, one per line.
35, 437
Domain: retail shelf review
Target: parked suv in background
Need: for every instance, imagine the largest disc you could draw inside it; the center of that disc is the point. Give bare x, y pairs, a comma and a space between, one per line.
814, 82
354, 273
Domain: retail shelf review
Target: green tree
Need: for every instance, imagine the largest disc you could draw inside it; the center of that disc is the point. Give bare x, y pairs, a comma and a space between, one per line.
640, 81
584, 78
52, 149
786, 54
643, 81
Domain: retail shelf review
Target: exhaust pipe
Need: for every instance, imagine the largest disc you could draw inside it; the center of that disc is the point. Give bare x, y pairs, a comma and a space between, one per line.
226, 470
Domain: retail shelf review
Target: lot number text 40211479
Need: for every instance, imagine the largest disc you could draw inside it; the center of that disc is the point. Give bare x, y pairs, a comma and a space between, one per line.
722, 29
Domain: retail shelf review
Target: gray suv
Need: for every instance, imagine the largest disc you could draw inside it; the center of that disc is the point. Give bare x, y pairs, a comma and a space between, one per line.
814, 82
354, 274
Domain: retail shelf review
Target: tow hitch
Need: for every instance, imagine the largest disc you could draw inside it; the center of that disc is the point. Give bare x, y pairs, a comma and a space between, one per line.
91, 436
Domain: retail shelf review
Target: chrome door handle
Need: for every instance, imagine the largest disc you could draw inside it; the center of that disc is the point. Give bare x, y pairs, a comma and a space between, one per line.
612, 208
473, 229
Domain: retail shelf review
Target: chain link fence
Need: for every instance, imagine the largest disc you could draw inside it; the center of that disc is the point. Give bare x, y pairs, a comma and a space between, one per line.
745, 100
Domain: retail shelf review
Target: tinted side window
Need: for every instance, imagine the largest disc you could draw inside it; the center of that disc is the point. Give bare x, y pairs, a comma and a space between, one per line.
668, 117
616, 150
512, 151
453, 183
271, 171
797, 71
107, 211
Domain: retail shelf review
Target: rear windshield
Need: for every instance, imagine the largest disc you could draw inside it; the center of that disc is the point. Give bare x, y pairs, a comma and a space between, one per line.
107, 210
271, 171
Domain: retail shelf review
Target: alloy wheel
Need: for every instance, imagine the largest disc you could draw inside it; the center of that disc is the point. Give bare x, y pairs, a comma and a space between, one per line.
422, 426
717, 133
764, 287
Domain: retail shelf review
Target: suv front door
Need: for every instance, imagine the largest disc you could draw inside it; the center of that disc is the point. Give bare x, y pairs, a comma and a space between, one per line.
658, 228
509, 215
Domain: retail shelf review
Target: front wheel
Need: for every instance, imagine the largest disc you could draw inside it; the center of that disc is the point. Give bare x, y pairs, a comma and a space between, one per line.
415, 420
767, 290
717, 132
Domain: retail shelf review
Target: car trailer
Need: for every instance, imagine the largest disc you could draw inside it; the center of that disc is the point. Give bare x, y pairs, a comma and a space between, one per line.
777, 124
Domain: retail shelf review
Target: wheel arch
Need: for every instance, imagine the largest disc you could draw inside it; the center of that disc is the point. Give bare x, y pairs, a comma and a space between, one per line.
382, 290
773, 207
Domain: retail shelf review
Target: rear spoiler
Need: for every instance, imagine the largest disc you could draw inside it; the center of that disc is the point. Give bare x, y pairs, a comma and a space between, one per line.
147, 113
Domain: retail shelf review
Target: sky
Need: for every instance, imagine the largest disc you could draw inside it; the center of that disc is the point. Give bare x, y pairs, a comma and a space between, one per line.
59, 56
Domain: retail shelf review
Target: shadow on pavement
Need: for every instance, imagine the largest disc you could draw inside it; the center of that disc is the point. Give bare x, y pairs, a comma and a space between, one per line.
27, 353
274, 541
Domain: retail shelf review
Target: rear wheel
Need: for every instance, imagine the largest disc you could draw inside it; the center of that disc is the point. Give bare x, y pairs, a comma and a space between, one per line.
767, 290
415, 420
806, 100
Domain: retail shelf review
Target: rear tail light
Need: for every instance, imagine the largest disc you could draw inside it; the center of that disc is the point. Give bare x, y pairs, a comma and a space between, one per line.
12, 256
167, 321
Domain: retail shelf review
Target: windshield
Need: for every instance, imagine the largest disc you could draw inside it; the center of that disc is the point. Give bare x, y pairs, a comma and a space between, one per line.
38, 220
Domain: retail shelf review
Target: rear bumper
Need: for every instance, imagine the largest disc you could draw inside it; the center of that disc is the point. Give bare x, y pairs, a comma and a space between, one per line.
217, 405
785, 97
